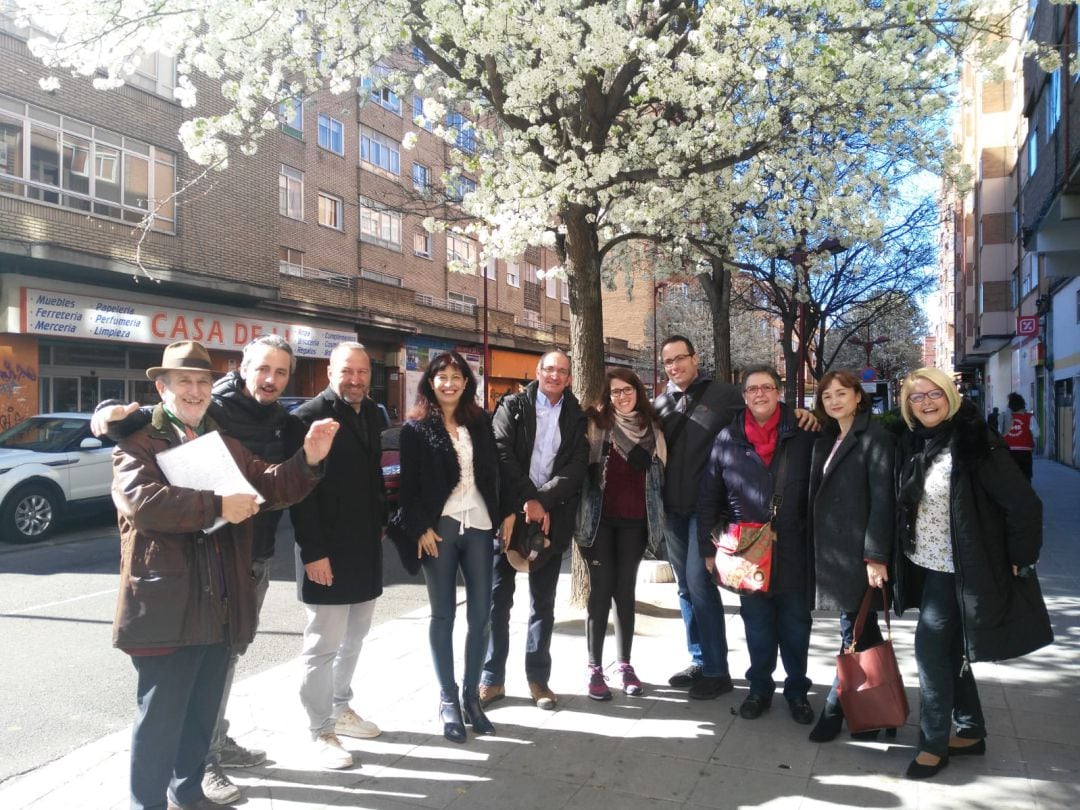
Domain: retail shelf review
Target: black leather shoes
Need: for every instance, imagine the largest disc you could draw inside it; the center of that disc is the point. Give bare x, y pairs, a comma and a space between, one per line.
801, 712
453, 724
753, 706
828, 727
916, 770
974, 750
709, 688
686, 677
474, 715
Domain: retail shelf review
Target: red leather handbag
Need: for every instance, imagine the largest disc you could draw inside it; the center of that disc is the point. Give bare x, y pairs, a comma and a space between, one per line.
871, 690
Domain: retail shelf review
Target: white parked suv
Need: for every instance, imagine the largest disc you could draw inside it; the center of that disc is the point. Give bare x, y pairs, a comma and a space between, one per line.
46, 463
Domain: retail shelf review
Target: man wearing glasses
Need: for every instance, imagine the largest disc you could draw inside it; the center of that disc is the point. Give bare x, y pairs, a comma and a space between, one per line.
692, 411
543, 457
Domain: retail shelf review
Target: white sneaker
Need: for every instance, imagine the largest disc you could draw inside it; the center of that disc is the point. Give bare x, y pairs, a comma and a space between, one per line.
217, 787
350, 724
331, 753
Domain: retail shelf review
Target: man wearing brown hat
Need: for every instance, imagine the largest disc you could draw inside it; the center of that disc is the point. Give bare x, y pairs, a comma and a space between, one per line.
185, 594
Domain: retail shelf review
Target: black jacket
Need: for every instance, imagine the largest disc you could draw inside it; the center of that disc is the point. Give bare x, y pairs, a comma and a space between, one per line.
852, 511
430, 471
714, 406
738, 488
996, 522
259, 428
515, 432
342, 518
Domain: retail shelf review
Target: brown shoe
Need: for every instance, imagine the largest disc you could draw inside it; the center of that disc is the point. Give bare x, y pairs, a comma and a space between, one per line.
543, 697
490, 692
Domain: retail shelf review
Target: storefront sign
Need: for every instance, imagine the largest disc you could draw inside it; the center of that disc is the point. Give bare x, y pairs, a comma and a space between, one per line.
67, 315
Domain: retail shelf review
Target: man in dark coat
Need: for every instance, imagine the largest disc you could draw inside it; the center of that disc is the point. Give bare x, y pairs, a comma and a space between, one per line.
761, 447
339, 540
186, 594
244, 403
543, 457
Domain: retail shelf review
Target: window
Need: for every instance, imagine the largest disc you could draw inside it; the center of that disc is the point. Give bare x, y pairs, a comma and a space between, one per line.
459, 302
552, 285
461, 186
291, 115
1053, 103
461, 249
489, 269
156, 74
331, 134
291, 192
380, 93
421, 243
1033, 152
419, 56
532, 272
290, 262
379, 225
465, 140
564, 287
331, 211
513, 279
421, 178
380, 152
53, 159
418, 113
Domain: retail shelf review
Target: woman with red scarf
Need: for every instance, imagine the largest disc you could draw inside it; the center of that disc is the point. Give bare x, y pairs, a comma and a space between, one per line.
762, 454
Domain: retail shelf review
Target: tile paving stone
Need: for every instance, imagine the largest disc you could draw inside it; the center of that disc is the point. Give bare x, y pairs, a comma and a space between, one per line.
532, 791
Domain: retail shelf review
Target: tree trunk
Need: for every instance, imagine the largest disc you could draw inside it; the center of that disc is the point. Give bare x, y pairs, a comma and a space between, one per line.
717, 286
580, 256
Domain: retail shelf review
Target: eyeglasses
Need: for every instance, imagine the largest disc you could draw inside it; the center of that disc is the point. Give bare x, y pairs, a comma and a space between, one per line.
618, 393
670, 361
562, 372
935, 395
759, 389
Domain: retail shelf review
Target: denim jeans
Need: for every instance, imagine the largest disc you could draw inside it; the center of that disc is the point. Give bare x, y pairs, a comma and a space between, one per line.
178, 697
542, 585
945, 692
469, 551
699, 598
779, 620
260, 572
332, 640
871, 637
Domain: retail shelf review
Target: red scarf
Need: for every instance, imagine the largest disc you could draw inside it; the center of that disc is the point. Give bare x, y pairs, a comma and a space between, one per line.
763, 437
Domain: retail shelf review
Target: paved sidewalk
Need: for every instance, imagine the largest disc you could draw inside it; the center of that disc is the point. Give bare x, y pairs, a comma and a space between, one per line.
657, 751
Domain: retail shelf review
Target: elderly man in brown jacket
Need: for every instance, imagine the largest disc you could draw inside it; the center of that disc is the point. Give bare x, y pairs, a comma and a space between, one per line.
185, 592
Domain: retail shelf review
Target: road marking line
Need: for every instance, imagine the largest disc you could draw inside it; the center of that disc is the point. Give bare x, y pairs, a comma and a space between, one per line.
61, 602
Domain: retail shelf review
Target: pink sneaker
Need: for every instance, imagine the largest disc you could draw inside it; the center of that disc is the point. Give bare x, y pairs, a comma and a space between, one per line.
630, 683
598, 689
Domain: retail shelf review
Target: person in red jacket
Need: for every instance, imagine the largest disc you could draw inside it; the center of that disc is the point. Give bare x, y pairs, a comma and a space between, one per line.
1020, 432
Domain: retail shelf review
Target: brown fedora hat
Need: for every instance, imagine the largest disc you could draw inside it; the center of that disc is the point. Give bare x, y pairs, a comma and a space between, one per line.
184, 355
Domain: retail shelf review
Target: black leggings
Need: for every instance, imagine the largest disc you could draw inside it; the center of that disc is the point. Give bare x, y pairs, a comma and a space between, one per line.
613, 561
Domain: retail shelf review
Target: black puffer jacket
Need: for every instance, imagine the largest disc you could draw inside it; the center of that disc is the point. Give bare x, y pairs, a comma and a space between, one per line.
996, 522
852, 511
430, 470
515, 433
738, 488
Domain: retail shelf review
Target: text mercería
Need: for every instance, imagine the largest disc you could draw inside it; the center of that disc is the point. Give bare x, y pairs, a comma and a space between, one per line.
206, 330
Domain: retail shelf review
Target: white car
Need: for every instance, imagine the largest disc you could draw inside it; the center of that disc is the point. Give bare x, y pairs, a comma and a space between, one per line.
46, 463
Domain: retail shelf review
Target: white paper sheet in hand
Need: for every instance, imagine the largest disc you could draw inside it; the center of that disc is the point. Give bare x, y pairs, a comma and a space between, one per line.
206, 463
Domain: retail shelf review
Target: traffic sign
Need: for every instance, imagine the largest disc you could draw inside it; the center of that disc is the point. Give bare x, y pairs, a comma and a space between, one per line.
868, 374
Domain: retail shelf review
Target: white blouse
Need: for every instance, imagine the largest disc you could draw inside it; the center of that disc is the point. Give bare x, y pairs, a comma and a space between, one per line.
466, 504
933, 533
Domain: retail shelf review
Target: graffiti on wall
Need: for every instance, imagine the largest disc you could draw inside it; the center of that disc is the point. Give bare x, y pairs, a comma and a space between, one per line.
18, 386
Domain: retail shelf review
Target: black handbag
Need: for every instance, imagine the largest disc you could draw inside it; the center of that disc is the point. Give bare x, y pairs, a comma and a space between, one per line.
405, 548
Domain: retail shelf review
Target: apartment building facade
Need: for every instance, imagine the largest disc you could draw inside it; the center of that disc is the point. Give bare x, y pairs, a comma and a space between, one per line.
340, 254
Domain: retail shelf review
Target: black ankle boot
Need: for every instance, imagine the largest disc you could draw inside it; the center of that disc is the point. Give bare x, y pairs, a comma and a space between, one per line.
453, 725
474, 713
828, 726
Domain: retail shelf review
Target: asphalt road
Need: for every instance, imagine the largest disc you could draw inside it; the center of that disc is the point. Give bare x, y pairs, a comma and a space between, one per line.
62, 684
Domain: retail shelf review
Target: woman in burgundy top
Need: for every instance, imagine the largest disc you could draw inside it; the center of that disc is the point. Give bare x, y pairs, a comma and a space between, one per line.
621, 513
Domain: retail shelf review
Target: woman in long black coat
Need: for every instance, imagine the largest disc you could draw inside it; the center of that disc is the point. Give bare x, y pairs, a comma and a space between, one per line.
852, 517
969, 530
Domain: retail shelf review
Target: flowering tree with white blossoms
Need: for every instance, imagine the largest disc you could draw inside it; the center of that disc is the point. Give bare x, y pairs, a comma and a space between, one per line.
607, 120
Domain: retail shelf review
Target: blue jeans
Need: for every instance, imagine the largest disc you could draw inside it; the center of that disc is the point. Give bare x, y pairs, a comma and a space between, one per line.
871, 637
699, 598
471, 552
779, 620
178, 696
946, 693
542, 586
